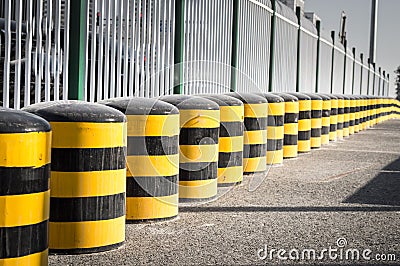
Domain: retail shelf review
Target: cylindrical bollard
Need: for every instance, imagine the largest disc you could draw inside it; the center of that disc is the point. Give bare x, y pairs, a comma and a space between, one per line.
291, 128
255, 132
326, 118
340, 117
352, 115
374, 111
230, 158
364, 113
24, 193
198, 143
369, 111
152, 157
356, 114
304, 139
275, 128
88, 176
333, 118
346, 116
316, 120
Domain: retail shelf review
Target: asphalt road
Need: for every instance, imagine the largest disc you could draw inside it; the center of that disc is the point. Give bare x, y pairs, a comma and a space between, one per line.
345, 196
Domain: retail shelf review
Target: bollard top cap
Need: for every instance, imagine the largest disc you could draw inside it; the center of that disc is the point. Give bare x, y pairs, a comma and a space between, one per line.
314, 96
248, 98
222, 100
76, 111
300, 96
271, 98
287, 97
14, 121
186, 102
141, 106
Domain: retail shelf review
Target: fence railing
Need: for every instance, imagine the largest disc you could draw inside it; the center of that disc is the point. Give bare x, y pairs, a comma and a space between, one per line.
98, 49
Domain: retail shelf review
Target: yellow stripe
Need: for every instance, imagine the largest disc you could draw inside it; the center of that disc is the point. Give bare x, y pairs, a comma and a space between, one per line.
198, 153
276, 108
340, 103
275, 157
292, 107
87, 184
231, 144
289, 151
153, 125
25, 149
346, 117
333, 119
326, 121
351, 130
88, 135
200, 189
275, 132
232, 113
232, 174
334, 104
255, 137
88, 234
315, 142
324, 139
340, 118
304, 105
316, 122
19, 210
37, 259
339, 133
305, 125
256, 110
141, 208
257, 164
347, 103
199, 118
304, 146
333, 136
316, 105
326, 105
291, 129
167, 165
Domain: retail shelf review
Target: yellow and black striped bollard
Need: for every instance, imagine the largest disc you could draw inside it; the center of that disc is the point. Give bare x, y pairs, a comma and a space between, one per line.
352, 114
25, 141
373, 110
316, 120
275, 128
356, 107
255, 132
340, 117
346, 116
230, 158
291, 126
369, 111
333, 118
88, 176
364, 113
198, 143
152, 158
326, 118
304, 140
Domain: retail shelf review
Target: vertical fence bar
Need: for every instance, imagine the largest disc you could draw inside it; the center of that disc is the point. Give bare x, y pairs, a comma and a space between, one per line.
235, 39
179, 44
126, 49
7, 56
99, 82
48, 52
354, 70
361, 74
318, 26
93, 51
298, 14
119, 47
28, 53
57, 56
18, 53
333, 59
66, 49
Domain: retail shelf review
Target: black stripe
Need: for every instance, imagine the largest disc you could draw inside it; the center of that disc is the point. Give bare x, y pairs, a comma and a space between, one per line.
86, 160
352, 123
254, 150
290, 140
87, 208
274, 144
357, 122
77, 251
346, 124
353, 109
316, 132
339, 126
198, 136
316, 113
304, 135
347, 110
153, 146
24, 240
333, 128
198, 171
334, 111
231, 129
326, 113
340, 111
276, 120
151, 186
229, 159
291, 118
24, 180
325, 131
304, 115
253, 124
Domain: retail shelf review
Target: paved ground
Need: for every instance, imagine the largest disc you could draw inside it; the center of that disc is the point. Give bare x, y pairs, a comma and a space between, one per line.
349, 190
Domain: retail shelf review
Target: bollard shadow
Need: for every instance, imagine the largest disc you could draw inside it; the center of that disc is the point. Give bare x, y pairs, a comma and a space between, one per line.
384, 189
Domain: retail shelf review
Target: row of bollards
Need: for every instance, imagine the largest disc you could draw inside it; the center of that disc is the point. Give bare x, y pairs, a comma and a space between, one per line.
134, 159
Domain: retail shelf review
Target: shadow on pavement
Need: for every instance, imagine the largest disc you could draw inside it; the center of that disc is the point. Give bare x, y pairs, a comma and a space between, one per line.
384, 189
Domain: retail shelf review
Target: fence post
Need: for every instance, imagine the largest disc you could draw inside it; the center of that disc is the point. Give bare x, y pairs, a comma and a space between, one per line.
361, 74
179, 44
77, 51
298, 14
345, 67
379, 82
369, 70
272, 47
318, 25
383, 82
354, 70
235, 40
333, 59
373, 80
388, 87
